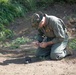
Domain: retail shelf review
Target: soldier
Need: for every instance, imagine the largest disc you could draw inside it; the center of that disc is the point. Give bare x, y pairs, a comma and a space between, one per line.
52, 36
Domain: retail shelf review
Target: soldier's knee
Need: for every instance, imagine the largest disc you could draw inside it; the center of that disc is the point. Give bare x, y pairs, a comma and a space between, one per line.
56, 56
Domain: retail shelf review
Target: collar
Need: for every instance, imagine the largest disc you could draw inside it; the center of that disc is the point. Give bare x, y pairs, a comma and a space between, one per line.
47, 19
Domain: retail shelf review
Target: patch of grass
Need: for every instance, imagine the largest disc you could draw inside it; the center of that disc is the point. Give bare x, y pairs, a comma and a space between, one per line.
6, 34
17, 42
8, 12
72, 44
28, 4
5, 1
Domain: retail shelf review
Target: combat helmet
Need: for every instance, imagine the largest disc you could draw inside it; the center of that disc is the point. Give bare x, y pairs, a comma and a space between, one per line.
36, 18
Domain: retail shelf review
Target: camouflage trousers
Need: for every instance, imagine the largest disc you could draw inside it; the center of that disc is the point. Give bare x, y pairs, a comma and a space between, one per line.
55, 51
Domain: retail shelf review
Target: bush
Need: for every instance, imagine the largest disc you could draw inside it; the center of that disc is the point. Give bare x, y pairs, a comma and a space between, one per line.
6, 34
5, 1
28, 4
8, 12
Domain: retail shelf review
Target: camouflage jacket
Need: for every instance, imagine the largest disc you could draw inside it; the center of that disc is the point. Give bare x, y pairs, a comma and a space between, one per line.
54, 28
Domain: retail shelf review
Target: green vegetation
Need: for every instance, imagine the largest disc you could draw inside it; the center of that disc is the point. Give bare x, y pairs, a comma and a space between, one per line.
17, 42
28, 4
8, 12
72, 44
10, 9
6, 34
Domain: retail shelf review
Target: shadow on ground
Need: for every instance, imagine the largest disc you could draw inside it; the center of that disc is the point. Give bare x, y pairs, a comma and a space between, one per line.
21, 60
72, 56
32, 59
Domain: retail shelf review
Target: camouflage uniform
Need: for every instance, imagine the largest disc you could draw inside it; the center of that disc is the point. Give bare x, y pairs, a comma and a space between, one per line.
54, 31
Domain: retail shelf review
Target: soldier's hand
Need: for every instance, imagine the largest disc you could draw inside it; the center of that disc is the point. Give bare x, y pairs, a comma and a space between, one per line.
43, 44
36, 43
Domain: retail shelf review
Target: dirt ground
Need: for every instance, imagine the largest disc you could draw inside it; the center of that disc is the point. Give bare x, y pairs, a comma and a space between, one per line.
12, 61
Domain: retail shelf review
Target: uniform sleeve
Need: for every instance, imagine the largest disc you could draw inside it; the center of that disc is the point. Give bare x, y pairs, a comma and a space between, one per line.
58, 31
39, 36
